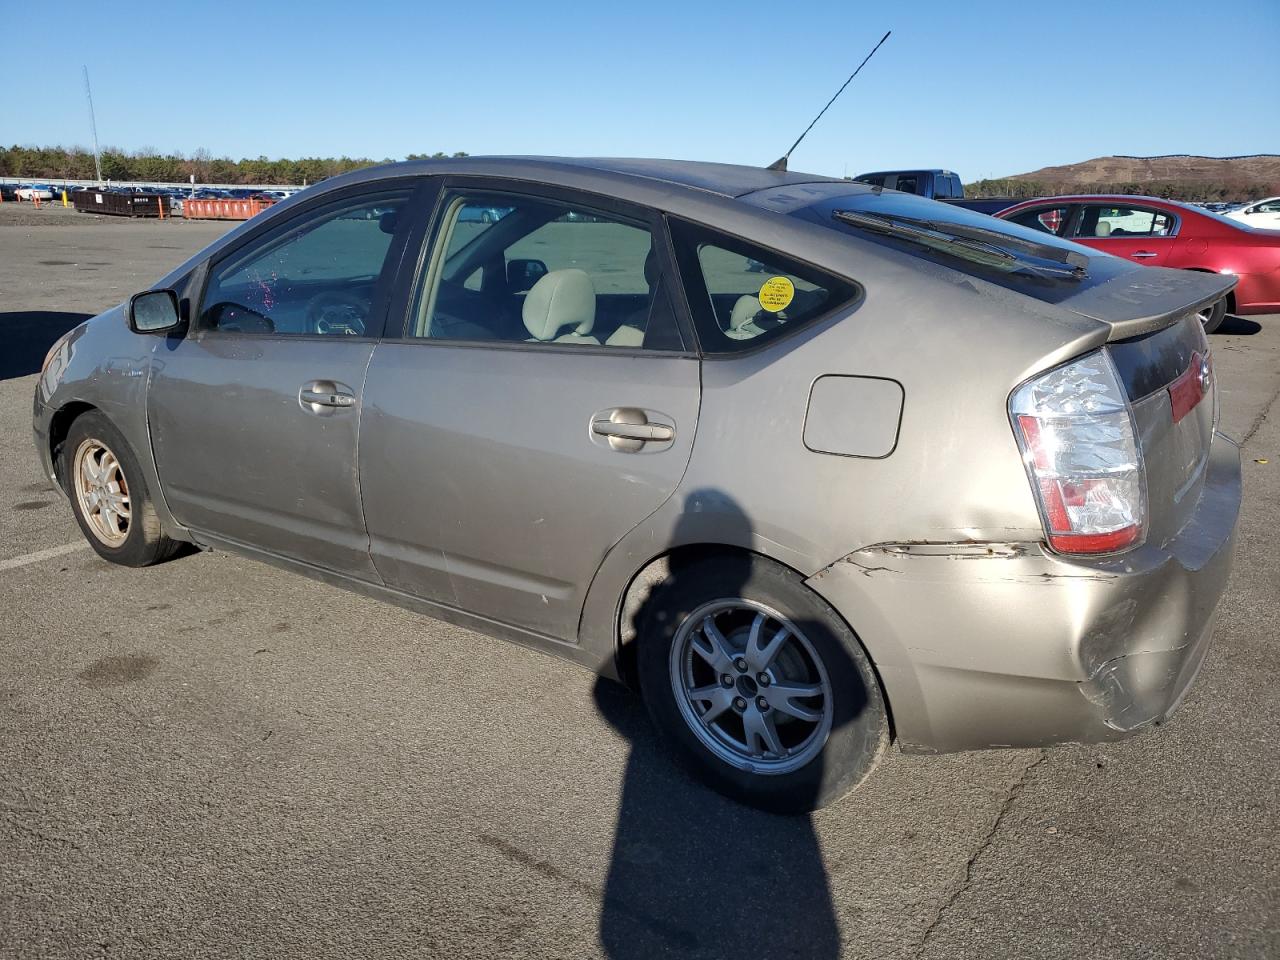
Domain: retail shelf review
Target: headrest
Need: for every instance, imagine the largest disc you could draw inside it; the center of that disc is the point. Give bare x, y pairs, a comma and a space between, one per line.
562, 298
1103, 229
744, 311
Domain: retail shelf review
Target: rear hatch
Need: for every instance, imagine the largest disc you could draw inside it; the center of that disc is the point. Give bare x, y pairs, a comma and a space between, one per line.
1168, 377
1165, 363
1156, 340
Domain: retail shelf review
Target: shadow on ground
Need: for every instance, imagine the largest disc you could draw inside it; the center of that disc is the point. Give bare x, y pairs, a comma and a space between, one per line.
1238, 326
28, 335
694, 874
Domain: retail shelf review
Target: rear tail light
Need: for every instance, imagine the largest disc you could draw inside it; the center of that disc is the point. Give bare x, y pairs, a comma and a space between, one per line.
1081, 453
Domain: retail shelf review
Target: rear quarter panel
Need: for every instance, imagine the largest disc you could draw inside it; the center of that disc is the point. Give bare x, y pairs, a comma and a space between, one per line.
958, 346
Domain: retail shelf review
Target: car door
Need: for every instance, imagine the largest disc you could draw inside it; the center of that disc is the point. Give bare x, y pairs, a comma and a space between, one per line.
540, 404
254, 413
1139, 233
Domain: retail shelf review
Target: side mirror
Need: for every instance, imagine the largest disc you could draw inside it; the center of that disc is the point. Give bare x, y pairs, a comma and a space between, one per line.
155, 311
523, 274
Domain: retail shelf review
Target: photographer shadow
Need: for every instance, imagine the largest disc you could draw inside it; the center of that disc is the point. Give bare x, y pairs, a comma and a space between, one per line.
694, 873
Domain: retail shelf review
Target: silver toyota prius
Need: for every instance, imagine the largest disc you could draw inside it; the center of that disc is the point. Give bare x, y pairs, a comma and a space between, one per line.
811, 464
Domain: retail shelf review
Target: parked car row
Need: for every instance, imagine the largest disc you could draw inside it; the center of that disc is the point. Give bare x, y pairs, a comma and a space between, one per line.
46, 191
27, 191
946, 186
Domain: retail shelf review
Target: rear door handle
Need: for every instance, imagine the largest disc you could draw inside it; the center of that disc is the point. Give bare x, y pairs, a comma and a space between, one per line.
1143, 255
628, 429
325, 397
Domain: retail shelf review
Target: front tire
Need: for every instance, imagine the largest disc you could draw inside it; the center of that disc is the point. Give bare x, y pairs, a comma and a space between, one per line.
109, 495
759, 685
1211, 317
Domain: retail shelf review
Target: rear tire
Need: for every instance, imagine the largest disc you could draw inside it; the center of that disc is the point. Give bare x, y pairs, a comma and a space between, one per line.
1211, 317
783, 752
109, 495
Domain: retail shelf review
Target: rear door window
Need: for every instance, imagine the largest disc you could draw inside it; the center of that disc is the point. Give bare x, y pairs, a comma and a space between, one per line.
742, 295
539, 270
1101, 221
907, 183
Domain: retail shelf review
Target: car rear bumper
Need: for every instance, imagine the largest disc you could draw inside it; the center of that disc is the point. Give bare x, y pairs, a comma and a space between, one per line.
1005, 645
1258, 293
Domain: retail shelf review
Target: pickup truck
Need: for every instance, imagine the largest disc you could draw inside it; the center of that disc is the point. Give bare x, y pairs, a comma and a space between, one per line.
936, 185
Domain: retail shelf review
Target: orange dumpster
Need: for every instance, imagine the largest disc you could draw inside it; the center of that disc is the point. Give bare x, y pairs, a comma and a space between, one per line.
223, 209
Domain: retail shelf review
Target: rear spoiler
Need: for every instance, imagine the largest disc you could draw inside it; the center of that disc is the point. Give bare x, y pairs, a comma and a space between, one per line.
1148, 299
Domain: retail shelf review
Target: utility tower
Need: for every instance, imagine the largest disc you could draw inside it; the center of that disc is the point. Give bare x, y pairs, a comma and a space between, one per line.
93, 123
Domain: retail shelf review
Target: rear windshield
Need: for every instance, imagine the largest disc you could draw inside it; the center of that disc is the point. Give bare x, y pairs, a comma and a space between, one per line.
1050, 289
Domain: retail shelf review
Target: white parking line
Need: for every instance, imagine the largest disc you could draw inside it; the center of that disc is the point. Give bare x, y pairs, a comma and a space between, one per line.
42, 555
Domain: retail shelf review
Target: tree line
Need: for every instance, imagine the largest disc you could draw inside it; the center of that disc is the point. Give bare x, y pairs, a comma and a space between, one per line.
1167, 189
76, 163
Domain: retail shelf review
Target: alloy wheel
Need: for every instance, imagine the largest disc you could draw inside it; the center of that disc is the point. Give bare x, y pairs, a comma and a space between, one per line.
102, 492
751, 686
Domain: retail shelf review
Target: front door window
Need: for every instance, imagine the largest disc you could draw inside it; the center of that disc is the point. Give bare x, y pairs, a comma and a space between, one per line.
314, 276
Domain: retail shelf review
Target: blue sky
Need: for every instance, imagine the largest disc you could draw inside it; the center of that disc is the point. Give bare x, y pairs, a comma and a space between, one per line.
984, 88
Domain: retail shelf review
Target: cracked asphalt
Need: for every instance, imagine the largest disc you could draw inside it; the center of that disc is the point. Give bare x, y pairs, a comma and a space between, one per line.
215, 758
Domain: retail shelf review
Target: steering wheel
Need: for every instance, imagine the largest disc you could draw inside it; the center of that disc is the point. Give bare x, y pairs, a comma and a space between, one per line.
337, 314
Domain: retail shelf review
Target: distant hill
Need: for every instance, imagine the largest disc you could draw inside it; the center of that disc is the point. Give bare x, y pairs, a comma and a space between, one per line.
1179, 176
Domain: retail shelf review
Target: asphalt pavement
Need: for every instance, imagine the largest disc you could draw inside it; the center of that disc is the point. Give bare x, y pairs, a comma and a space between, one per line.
216, 758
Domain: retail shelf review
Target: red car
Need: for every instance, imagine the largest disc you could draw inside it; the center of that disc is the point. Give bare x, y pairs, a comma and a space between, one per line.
1164, 233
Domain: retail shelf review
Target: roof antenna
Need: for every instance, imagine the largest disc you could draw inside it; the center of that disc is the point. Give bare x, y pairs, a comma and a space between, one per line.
781, 163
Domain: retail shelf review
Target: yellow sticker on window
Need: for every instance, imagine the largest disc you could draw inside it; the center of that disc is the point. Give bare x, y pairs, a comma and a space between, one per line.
776, 294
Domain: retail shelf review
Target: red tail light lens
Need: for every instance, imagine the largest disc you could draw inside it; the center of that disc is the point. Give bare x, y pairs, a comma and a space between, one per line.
1081, 454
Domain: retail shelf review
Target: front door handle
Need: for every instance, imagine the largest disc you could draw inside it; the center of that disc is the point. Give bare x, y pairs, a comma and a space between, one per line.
324, 397
1143, 255
628, 429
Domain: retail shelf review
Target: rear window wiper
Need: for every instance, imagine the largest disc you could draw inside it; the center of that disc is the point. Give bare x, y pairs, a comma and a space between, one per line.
990, 247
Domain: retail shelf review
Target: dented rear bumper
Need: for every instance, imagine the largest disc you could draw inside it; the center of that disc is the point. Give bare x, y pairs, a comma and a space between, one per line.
1005, 645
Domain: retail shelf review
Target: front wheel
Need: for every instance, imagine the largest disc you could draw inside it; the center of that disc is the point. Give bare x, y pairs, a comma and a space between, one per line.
1211, 317
760, 686
109, 495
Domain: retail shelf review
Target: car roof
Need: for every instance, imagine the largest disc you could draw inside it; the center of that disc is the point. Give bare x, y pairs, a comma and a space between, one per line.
938, 170
723, 179
1116, 198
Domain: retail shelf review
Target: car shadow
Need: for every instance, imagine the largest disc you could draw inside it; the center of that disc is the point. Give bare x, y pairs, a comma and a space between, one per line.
28, 335
694, 873
1238, 326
